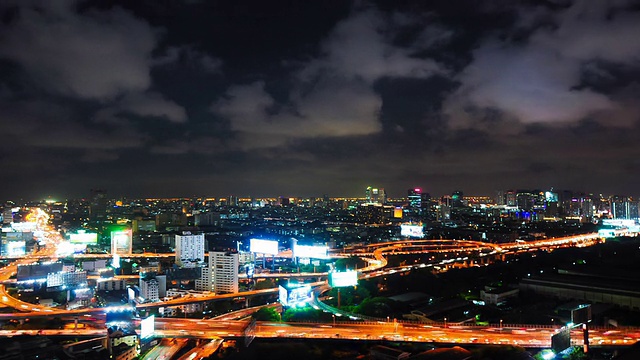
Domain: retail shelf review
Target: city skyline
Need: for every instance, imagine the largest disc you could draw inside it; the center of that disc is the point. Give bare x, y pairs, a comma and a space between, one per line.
303, 99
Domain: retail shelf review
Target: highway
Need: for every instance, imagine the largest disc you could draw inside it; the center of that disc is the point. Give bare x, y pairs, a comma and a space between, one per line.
531, 337
203, 351
165, 350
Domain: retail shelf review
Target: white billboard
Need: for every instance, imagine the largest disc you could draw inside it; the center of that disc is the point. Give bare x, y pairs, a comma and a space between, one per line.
147, 327
260, 246
310, 251
411, 230
121, 242
23, 226
14, 248
344, 278
619, 222
83, 237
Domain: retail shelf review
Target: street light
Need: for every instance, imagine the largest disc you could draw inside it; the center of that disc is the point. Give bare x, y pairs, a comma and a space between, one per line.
501, 325
334, 320
445, 323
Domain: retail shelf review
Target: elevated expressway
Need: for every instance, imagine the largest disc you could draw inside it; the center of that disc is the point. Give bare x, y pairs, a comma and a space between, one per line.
521, 335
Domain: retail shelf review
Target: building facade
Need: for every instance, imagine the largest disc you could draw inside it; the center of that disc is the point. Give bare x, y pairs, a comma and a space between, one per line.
223, 267
189, 249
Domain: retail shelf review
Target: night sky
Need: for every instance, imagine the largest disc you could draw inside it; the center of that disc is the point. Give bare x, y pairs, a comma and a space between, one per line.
305, 98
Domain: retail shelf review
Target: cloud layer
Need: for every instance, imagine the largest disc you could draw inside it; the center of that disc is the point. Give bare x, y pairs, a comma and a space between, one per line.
275, 99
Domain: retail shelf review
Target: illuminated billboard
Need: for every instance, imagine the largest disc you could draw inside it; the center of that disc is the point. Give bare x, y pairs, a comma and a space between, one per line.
343, 278
23, 226
147, 327
260, 246
64, 248
121, 242
294, 295
18, 236
607, 233
618, 222
13, 248
411, 230
310, 251
83, 237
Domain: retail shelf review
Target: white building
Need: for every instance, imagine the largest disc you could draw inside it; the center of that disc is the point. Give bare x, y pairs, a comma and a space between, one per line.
223, 267
189, 249
149, 289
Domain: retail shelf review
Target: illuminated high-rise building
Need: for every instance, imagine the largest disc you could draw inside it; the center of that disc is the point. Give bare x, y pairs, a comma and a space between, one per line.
189, 249
223, 271
623, 207
457, 199
375, 196
414, 196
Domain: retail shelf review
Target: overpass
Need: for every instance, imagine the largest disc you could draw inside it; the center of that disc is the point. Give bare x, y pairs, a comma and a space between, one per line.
523, 335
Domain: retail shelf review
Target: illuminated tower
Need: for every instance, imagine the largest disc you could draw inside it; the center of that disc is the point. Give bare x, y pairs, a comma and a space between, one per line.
414, 196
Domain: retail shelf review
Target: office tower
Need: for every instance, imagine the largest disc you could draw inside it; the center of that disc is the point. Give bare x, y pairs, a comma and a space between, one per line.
189, 249
621, 207
551, 204
375, 196
7, 215
456, 199
223, 267
98, 205
414, 196
510, 198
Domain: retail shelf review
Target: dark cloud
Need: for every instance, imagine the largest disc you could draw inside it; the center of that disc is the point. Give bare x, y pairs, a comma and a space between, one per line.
95, 55
307, 98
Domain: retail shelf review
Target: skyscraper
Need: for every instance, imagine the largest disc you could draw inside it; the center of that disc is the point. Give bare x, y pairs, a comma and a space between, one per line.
98, 205
414, 196
375, 196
